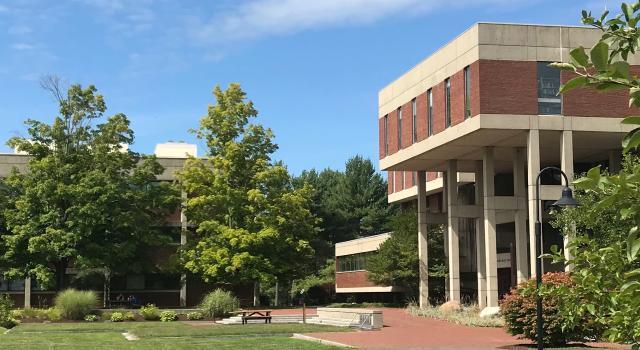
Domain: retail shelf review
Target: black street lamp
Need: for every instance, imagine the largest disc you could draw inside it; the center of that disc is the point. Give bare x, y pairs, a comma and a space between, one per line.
565, 201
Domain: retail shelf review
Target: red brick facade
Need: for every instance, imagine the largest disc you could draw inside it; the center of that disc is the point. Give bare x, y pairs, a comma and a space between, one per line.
588, 102
407, 125
457, 98
353, 279
508, 87
421, 123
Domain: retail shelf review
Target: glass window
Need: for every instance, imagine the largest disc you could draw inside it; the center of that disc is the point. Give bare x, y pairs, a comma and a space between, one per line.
399, 128
16, 285
549, 102
386, 135
467, 92
447, 103
4, 284
430, 112
413, 121
354, 262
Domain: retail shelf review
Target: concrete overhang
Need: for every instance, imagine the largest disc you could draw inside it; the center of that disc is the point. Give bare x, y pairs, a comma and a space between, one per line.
593, 139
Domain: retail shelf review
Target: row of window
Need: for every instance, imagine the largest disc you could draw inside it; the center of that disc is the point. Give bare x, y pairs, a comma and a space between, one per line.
414, 113
127, 282
549, 102
354, 262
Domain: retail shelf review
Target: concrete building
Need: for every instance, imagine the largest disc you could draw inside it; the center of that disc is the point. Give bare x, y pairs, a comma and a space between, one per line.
351, 270
464, 133
162, 289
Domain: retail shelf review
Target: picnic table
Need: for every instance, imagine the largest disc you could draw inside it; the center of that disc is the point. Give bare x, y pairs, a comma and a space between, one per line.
255, 315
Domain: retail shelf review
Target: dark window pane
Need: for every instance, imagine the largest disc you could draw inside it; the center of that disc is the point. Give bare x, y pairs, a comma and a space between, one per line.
447, 101
549, 108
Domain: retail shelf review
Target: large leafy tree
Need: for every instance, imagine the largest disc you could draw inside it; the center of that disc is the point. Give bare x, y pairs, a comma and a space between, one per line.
607, 271
252, 224
84, 200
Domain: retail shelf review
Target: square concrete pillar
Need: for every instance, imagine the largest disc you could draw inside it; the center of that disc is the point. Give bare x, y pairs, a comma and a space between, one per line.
480, 250
453, 230
491, 258
520, 219
423, 247
533, 168
27, 293
566, 164
615, 161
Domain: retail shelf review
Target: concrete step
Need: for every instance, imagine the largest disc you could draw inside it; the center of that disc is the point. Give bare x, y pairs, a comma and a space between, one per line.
334, 322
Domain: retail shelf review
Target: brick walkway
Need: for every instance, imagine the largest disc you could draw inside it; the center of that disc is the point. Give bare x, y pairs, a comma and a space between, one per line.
403, 331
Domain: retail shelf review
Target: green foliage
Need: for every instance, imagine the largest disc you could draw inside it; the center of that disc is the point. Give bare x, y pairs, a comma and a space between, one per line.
605, 250
219, 303
251, 223
350, 204
74, 304
315, 285
397, 263
467, 316
83, 197
117, 317
518, 309
51, 314
129, 316
6, 317
195, 316
92, 318
150, 312
168, 316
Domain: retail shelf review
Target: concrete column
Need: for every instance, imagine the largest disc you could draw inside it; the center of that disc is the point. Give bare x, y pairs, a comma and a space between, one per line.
491, 258
422, 239
615, 161
480, 250
453, 230
566, 164
27, 293
533, 167
183, 240
519, 192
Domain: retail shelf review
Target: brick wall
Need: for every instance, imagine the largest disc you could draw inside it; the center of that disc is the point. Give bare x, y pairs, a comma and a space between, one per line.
393, 132
407, 125
389, 181
438, 108
381, 137
421, 107
457, 98
353, 279
475, 88
508, 87
587, 102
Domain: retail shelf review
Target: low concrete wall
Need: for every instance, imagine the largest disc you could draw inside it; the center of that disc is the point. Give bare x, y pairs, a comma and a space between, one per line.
367, 318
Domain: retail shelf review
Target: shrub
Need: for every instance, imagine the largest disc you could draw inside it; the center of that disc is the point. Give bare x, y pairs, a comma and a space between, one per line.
92, 318
129, 316
74, 304
168, 316
6, 317
195, 316
219, 303
519, 311
150, 312
117, 317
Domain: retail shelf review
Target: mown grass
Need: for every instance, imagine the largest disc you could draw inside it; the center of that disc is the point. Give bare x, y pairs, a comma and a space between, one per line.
159, 336
468, 316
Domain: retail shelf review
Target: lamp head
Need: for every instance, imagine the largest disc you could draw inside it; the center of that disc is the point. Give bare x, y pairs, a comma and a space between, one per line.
567, 200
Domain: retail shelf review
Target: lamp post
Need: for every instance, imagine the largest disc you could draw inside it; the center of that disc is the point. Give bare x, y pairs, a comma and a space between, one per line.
565, 201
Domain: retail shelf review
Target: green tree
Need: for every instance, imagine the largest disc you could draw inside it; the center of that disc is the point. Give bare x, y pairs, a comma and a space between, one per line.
397, 263
608, 273
252, 224
84, 199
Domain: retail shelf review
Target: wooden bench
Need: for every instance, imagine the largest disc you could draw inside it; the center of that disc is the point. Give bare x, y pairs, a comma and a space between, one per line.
256, 315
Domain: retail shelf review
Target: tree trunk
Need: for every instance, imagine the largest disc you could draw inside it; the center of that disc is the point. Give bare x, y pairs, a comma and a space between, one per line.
256, 293
106, 288
276, 298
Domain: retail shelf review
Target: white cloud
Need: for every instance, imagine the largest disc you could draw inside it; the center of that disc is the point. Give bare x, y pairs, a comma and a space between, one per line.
256, 18
22, 46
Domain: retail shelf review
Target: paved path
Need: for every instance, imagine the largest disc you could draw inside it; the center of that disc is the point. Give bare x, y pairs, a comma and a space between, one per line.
403, 331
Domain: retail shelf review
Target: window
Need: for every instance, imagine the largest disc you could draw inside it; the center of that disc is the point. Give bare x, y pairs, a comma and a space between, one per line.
413, 178
430, 112
399, 128
413, 121
386, 135
447, 103
467, 93
353, 262
391, 179
549, 102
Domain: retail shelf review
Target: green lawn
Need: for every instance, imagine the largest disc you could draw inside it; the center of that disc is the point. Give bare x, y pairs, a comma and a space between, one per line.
158, 336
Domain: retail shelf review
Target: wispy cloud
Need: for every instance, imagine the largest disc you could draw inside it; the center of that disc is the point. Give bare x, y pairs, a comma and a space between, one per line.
19, 29
259, 18
22, 46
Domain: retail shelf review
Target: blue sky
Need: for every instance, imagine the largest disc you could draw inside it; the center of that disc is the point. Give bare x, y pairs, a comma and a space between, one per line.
312, 67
